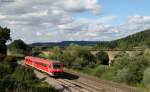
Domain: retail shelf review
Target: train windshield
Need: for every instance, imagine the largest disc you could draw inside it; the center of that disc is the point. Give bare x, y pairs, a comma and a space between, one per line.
56, 66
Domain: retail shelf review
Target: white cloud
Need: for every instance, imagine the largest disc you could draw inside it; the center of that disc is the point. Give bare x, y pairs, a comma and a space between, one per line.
2, 16
108, 19
52, 20
50, 17
38, 33
82, 5
137, 19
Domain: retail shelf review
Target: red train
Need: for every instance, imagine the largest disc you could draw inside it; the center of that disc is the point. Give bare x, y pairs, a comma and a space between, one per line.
53, 68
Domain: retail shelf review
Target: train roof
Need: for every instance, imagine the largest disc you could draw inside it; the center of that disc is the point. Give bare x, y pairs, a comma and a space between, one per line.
41, 60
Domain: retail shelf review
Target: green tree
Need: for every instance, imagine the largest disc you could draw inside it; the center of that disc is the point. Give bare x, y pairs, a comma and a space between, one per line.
18, 47
4, 37
120, 61
76, 55
130, 69
57, 53
102, 58
24, 74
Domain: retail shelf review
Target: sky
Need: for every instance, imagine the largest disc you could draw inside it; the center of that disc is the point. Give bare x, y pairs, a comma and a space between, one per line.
73, 20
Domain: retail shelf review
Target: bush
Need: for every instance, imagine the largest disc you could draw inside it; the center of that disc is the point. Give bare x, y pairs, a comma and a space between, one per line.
130, 69
109, 75
146, 77
120, 63
102, 58
122, 75
147, 54
11, 85
4, 70
137, 67
78, 63
2, 56
12, 61
24, 74
98, 71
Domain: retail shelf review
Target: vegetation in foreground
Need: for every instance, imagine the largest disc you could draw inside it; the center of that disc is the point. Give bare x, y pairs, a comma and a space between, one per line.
15, 78
20, 79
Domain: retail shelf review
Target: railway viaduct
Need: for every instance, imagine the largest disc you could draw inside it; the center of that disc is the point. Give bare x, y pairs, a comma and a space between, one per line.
113, 53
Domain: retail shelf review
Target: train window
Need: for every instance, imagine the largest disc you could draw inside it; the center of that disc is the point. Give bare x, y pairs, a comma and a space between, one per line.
56, 66
44, 65
41, 64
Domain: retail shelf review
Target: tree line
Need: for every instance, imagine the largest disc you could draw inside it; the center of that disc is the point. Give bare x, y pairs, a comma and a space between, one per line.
76, 56
138, 40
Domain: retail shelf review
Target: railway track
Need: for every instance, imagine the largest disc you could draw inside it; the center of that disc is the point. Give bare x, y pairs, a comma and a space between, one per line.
76, 82
80, 86
104, 85
66, 84
72, 87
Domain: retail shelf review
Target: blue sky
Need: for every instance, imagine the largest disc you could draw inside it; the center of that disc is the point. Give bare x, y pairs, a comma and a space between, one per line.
125, 7
121, 9
67, 20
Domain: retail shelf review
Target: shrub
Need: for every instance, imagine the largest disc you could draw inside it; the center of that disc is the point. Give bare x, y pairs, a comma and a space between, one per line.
78, 63
98, 71
130, 69
11, 85
4, 70
109, 75
2, 56
12, 61
147, 54
137, 67
146, 77
24, 74
120, 63
122, 75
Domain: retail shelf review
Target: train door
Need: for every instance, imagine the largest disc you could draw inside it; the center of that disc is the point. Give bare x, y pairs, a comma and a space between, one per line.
49, 68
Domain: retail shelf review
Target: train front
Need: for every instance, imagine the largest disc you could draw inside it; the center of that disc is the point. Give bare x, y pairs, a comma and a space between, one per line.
57, 69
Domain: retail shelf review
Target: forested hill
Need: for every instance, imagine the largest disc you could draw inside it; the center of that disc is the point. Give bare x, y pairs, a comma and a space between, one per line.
66, 43
138, 40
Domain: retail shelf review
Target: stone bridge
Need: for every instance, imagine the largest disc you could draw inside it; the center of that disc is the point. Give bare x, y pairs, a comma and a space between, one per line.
113, 53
